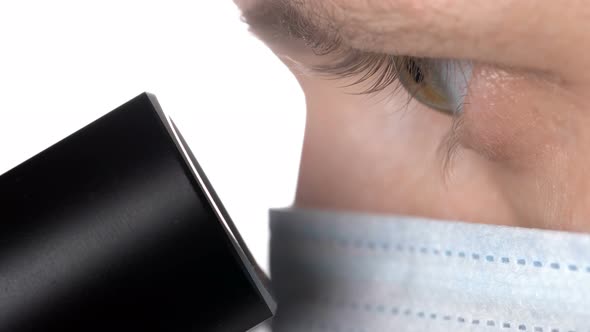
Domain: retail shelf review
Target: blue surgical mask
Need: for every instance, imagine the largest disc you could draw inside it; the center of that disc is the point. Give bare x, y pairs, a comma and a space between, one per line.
350, 272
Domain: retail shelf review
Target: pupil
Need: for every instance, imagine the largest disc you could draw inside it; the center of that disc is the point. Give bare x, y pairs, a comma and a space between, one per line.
415, 71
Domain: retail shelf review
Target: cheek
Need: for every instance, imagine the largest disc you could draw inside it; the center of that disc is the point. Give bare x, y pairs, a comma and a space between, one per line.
534, 136
363, 155
358, 151
510, 118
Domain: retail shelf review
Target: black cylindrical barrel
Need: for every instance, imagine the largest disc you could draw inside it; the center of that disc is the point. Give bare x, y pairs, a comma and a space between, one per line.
116, 228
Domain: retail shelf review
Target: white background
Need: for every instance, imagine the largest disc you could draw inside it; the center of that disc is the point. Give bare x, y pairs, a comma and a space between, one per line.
63, 64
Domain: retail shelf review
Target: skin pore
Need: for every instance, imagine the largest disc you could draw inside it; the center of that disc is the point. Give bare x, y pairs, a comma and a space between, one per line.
521, 146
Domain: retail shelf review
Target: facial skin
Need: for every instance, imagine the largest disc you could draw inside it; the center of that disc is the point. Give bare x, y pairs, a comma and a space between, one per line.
522, 149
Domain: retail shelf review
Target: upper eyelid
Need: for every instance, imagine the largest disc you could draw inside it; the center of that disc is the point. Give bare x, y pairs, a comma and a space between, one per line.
373, 71
286, 21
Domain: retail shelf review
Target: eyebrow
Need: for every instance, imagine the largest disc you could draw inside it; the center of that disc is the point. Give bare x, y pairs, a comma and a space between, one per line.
479, 30
284, 19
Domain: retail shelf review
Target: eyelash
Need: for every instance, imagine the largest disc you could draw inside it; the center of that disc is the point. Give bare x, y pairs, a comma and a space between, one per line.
378, 71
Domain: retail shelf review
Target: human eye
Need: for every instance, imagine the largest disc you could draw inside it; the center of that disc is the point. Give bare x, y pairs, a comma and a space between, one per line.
439, 84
